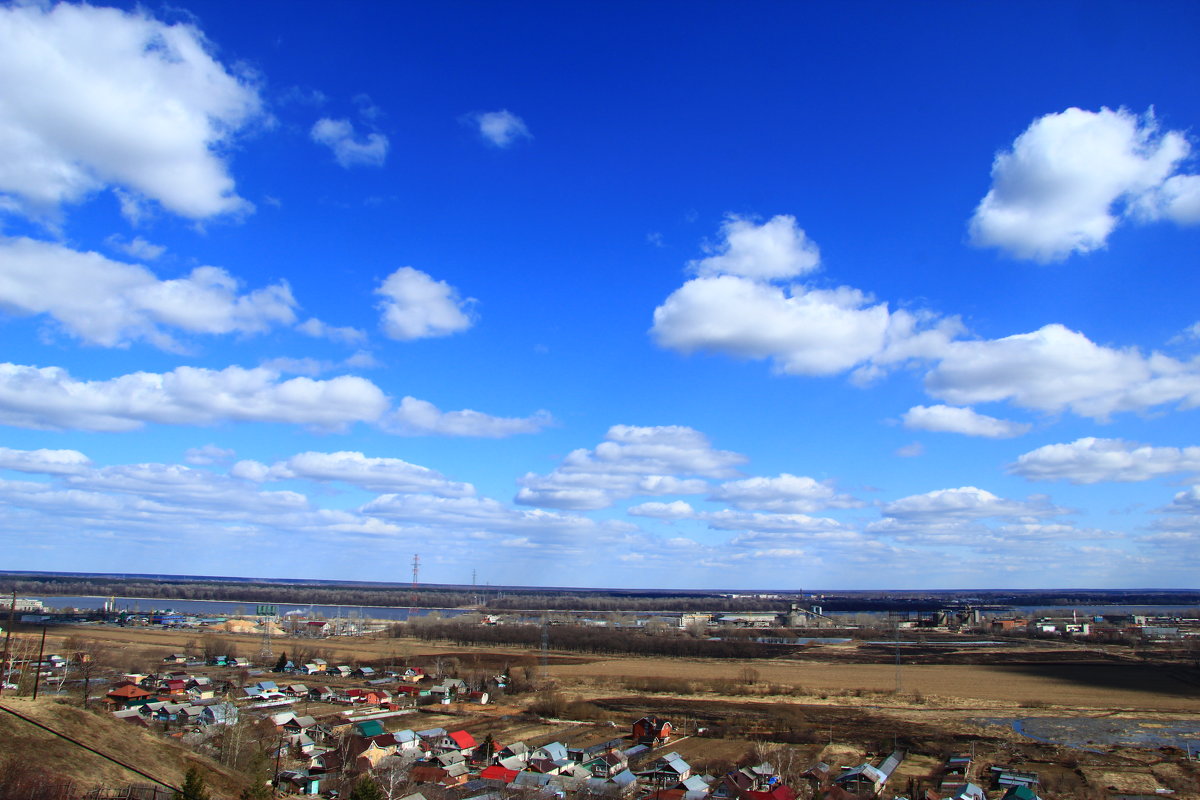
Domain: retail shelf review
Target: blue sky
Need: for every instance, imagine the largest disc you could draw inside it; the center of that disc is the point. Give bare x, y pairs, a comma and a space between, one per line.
687, 295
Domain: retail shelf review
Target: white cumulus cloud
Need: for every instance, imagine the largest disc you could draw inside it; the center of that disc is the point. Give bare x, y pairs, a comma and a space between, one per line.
350, 149
415, 417
776, 249
789, 494
500, 128
415, 306
1187, 502
321, 330
965, 503
97, 97
110, 303
49, 398
44, 462
1073, 176
137, 247
676, 509
803, 331
633, 460
1092, 460
736, 308
809, 331
1055, 369
373, 474
756, 522
951, 419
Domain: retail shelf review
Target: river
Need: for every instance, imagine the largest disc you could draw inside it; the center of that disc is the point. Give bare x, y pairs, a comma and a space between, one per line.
226, 607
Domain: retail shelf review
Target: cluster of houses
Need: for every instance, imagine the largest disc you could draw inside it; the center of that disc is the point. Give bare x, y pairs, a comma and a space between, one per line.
316, 752
455, 758
171, 699
179, 698
625, 768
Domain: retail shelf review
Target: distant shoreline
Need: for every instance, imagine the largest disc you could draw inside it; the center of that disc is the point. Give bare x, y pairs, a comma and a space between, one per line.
245, 602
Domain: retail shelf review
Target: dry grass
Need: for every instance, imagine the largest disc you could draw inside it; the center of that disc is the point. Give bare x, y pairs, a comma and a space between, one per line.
1132, 782
152, 753
979, 684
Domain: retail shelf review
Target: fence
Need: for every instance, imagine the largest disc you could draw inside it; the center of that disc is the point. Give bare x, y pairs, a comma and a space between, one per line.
132, 792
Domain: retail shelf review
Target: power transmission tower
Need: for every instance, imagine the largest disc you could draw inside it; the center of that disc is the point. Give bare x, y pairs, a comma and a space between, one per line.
265, 616
416, 568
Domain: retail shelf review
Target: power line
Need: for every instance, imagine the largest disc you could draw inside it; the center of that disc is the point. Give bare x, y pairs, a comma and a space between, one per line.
89, 748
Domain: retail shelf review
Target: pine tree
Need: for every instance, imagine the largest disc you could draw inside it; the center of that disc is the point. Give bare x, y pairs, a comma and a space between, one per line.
366, 789
193, 786
259, 787
281, 664
256, 791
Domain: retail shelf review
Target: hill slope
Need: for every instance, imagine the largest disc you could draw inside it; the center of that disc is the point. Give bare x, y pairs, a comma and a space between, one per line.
149, 752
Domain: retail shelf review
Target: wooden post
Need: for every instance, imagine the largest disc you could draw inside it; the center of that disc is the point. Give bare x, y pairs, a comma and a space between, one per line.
37, 673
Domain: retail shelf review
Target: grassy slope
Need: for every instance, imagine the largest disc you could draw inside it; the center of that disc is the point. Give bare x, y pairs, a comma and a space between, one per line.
155, 754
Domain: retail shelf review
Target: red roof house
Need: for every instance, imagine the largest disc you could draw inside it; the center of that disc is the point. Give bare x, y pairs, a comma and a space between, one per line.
498, 773
651, 731
464, 740
127, 694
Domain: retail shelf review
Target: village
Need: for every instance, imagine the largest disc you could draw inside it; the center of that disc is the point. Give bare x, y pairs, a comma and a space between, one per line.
346, 724
419, 721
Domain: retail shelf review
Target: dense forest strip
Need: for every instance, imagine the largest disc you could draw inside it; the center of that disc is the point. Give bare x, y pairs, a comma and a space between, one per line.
588, 639
389, 596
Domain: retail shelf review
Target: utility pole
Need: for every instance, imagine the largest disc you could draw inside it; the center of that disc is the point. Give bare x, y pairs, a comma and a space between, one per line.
545, 651
278, 755
37, 673
899, 683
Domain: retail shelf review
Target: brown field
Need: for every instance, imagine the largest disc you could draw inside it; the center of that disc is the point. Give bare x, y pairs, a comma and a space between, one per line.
1096, 686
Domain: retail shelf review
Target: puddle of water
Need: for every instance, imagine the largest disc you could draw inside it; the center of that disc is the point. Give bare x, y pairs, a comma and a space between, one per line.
1086, 733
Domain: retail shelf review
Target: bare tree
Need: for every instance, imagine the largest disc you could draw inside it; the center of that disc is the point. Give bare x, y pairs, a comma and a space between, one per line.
86, 662
393, 775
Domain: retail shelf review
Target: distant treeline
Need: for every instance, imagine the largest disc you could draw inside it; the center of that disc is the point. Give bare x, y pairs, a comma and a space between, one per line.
300, 594
533, 599
358, 595
586, 639
234, 592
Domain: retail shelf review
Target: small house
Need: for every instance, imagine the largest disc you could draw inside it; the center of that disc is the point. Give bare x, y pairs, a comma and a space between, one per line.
652, 731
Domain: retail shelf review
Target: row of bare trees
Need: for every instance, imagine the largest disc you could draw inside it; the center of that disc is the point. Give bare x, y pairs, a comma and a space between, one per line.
588, 639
